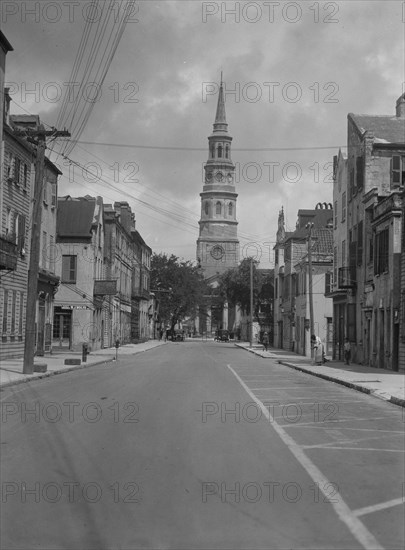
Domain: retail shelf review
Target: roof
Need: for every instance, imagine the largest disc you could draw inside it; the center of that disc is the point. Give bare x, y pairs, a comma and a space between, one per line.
388, 129
322, 241
5, 44
75, 217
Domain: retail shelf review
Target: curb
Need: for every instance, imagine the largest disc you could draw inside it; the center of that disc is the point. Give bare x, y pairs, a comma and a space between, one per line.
70, 369
391, 399
328, 378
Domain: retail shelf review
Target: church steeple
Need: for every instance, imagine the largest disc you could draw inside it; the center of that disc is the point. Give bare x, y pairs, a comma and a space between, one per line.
220, 124
218, 245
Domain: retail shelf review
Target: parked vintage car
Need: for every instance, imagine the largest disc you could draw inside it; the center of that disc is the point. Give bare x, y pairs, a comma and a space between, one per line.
222, 335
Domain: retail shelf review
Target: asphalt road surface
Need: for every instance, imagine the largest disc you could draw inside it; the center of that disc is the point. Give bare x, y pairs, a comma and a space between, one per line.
199, 445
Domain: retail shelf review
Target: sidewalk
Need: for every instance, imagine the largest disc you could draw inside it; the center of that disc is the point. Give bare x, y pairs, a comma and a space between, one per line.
381, 383
11, 370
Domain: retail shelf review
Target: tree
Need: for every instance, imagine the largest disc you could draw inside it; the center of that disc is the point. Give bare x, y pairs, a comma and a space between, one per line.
234, 285
179, 286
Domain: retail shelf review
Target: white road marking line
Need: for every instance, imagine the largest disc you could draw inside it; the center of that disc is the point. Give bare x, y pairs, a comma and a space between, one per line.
354, 525
313, 425
354, 449
378, 507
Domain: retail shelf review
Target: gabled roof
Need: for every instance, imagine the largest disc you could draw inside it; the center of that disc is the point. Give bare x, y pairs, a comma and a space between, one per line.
385, 129
5, 44
75, 217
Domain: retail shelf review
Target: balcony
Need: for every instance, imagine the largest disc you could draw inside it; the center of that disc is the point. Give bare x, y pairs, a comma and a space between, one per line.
8, 254
347, 277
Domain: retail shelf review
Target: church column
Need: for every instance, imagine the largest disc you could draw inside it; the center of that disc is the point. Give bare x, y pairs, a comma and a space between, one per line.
209, 320
225, 316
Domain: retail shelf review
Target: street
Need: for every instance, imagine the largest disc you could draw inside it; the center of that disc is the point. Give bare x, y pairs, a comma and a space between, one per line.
199, 445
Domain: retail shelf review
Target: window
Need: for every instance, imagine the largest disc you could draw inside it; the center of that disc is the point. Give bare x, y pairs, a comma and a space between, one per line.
359, 172
343, 263
5, 312
227, 151
69, 266
276, 256
351, 322
230, 209
219, 151
276, 289
10, 167
336, 214
25, 177
19, 228
381, 252
44, 250
212, 151
335, 262
45, 191
51, 253
397, 171
20, 320
360, 243
343, 206
351, 183
53, 194
206, 207
13, 307
218, 208
9, 218
17, 170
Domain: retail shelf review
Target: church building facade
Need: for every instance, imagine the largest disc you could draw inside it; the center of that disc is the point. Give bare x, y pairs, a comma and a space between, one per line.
218, 244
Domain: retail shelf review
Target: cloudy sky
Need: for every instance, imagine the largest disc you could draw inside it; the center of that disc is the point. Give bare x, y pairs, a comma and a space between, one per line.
292, 72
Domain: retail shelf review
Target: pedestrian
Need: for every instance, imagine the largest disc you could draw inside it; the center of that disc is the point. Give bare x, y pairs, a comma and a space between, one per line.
265, 341
318, 349
347, 351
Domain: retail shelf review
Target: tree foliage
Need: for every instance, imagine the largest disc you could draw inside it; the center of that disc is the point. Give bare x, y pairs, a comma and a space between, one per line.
179, 287
235, 288
234, 285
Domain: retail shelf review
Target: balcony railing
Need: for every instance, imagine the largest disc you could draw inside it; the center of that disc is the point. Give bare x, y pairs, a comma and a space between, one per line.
8, 254
347, 277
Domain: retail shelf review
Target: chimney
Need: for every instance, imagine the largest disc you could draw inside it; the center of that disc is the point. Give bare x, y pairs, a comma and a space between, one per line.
400, 110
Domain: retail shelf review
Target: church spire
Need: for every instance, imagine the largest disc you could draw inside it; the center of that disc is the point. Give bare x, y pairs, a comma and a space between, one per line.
220, 124
281, 226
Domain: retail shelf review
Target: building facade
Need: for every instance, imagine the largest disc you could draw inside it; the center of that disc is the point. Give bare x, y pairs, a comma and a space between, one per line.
366, 291
142, 303
119, 264
80, 306
15, 194
48, 281
291, 280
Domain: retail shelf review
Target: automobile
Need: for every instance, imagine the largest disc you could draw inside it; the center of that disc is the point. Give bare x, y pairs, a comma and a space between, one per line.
175, 335
222, 335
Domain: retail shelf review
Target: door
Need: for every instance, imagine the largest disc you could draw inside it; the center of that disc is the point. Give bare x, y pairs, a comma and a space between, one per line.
62, 328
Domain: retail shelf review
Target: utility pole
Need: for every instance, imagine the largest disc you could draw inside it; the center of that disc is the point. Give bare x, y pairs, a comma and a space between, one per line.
251, 303
309, 226
32, 287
